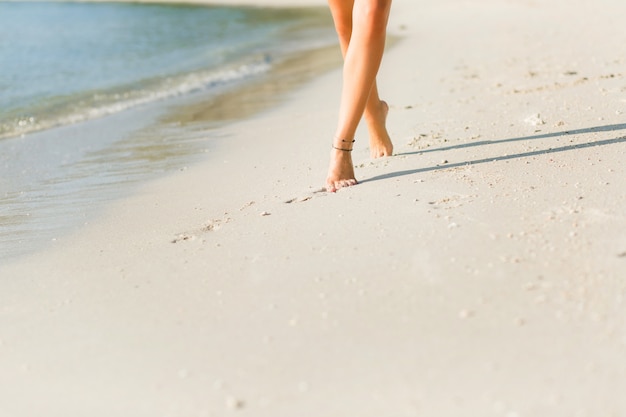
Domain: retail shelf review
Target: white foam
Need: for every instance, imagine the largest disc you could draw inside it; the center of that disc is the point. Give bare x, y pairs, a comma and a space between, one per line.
103, 103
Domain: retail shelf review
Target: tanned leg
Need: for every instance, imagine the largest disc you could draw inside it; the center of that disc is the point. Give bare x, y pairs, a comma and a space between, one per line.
361, 26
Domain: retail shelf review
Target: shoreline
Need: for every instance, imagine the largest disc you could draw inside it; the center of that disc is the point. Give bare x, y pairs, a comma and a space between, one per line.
307, 29
118, 143
479, 271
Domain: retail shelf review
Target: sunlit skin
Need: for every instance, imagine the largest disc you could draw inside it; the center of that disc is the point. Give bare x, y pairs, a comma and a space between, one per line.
361, 27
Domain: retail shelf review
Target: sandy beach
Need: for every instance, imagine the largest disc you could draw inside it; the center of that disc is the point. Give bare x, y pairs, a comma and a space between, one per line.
480, 271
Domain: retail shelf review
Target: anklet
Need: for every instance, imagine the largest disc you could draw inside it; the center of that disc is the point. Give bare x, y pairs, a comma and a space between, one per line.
342, 149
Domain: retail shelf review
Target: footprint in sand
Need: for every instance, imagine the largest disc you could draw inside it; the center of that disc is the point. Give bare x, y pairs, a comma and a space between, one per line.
210, 226
306, 197
183, 237
215, 224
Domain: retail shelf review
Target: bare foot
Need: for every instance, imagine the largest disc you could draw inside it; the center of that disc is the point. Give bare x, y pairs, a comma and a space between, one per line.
380, 142
340, 171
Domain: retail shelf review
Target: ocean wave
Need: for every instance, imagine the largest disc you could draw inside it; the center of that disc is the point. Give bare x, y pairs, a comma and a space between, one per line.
65, 110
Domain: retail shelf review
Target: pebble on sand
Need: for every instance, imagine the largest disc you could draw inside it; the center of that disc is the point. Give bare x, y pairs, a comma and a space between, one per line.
535, 120
234, 403
466, 314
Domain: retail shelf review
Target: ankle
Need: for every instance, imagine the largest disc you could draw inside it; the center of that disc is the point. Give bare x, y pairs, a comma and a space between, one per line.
343, 145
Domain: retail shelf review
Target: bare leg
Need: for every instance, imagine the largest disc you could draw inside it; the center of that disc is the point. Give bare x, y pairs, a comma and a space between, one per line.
376, 110
361, 26
376, 118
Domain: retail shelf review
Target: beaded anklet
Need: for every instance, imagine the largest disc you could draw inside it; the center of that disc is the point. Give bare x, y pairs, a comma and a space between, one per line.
342, 149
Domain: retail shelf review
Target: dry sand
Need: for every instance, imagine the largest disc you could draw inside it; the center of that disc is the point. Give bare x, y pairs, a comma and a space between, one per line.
481, 271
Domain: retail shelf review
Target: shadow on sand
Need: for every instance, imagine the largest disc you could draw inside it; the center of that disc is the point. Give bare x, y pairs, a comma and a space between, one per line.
608, 128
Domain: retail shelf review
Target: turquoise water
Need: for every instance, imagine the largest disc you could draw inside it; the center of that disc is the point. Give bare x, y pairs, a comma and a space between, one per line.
62, 63
80, 92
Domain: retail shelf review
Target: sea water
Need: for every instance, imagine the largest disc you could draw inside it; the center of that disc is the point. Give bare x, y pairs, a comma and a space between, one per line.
72, 74
63, 63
